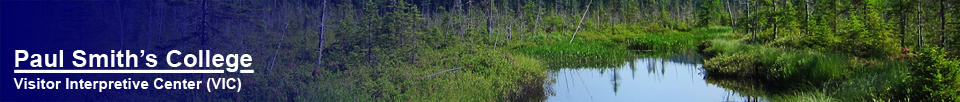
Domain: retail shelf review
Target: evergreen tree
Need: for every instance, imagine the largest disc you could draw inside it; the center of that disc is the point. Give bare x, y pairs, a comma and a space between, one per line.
708, 13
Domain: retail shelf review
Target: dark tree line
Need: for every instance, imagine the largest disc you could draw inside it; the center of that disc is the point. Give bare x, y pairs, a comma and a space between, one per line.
339, 35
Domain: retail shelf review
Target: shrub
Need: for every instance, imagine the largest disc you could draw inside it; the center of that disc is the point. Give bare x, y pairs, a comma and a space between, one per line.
737, 64
936, 75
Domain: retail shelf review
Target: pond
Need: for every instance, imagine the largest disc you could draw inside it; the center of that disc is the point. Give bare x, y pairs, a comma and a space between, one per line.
650, 79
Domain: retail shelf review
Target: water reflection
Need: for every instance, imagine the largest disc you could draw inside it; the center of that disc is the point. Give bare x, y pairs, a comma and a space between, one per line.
670, 79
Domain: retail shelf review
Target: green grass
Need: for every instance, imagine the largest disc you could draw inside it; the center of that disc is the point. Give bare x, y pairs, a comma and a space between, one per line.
786, 74
494, 69
487, 75
814, 96
578, 54
608, 48
678, 41
737, 59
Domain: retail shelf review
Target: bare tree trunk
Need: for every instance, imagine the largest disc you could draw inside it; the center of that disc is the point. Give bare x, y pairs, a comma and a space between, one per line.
490, 21
369, 41
469, 23
903, 26
462, 17
759, 27
323, 18
498, 28
277, 52
943, 26
752, 29
536, 25
441, 72
581, 22
676, 16
776, 29
509, 35
520, 23
556, 5
729, 13
599, 24
919, 26
806, 23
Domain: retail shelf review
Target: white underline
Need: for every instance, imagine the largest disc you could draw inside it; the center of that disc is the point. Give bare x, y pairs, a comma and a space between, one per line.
246, 71
122, 71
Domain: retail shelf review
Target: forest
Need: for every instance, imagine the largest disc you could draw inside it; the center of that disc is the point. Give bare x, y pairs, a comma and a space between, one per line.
503, 50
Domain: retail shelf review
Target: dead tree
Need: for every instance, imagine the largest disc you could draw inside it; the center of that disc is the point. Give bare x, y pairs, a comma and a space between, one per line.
490, 20
536, 25
581, 22
441, 72
460, 20
729, 13
284, 34
323, 17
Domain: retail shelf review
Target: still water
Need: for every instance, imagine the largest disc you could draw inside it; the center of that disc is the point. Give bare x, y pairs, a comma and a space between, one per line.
666, 79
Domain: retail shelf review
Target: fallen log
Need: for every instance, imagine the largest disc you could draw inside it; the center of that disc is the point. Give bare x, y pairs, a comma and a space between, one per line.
435, 74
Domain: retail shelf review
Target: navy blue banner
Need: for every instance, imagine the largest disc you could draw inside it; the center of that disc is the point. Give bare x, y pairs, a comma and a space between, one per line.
125, 33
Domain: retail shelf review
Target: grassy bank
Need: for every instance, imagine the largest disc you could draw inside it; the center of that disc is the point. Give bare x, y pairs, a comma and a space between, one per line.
791, 74
486, 75
492, 69
514, 72
598, 49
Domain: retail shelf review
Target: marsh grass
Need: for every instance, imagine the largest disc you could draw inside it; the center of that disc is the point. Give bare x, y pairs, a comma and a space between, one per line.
611, 47
788, 74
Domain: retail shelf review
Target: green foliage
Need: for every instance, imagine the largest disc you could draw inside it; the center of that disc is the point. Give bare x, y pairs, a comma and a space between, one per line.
867, 35
581, 49
580, 52
674, 41
803, 75
804, 96
598, 48
860, 31
773, 64
937, 76
380, 50
735, 64
821, 37
554, 23
709, 13
679, 26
